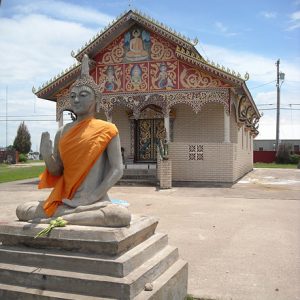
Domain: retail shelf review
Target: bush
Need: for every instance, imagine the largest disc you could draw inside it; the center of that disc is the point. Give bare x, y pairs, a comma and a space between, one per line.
22, 157
283, 154
295, 159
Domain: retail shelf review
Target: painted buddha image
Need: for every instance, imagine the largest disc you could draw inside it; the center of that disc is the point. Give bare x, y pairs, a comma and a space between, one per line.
136, 76
137, 45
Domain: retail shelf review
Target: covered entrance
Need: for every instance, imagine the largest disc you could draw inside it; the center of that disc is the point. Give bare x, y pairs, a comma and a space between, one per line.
148, 133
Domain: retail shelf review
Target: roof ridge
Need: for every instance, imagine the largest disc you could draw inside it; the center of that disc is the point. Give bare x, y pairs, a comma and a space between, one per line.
56, 77
197, 57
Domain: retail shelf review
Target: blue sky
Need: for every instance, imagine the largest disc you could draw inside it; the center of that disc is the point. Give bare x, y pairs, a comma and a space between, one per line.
37, 37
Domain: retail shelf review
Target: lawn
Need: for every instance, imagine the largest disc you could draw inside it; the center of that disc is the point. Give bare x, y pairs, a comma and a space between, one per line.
12, 173
273, 165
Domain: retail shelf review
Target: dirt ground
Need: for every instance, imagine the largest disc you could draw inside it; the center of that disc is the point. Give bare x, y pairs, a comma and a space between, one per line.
241, 242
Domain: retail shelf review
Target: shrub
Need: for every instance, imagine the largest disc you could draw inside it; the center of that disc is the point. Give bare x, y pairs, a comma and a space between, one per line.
295, 159
283, 154
22, 157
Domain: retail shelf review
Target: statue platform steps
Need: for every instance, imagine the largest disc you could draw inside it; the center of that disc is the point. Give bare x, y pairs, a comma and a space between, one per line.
30, 269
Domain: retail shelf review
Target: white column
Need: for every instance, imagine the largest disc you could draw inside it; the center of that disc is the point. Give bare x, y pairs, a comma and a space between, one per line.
167, 126
226, 127
61, 120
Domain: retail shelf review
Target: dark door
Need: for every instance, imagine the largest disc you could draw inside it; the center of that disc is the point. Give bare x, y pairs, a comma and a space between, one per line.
148, 133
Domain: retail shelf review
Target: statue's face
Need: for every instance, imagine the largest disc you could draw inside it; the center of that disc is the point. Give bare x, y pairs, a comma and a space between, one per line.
82, 100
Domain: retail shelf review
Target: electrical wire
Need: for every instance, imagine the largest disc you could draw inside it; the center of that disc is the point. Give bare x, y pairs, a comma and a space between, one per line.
261, 85
284, 108
25, 120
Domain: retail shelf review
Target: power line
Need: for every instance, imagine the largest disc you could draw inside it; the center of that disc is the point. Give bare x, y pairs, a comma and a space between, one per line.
31, 120
265, 104
284, 108
290, 104
28, 116
262, 85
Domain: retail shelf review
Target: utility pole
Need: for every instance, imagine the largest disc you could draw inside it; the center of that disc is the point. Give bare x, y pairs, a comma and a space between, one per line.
6, 117
278, 106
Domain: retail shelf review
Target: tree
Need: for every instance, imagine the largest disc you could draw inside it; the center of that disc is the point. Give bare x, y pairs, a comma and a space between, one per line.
283, 155
22, 142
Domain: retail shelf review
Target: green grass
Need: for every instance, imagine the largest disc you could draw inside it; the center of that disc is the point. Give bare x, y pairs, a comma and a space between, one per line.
11, 173
274, 166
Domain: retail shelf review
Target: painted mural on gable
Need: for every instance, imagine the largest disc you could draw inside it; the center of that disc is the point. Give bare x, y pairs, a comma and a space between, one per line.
142, 61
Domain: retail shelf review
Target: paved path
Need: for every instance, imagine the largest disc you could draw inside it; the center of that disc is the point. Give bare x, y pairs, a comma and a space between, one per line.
242, 243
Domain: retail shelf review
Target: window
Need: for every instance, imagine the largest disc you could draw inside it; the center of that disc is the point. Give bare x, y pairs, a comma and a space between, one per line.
196, 152
260, 149
296, 148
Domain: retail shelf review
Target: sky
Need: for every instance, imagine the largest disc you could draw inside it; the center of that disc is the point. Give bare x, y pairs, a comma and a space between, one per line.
37, 37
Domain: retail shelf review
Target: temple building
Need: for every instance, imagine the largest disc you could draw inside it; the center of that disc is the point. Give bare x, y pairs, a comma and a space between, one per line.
156, 86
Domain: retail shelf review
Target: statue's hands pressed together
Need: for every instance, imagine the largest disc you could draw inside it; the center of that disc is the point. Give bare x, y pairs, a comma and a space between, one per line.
46, 145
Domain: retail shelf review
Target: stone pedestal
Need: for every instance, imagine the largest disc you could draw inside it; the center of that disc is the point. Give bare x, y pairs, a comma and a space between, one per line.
81, 262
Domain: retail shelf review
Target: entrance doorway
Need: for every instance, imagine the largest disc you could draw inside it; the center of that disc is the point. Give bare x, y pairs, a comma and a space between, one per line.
148, 134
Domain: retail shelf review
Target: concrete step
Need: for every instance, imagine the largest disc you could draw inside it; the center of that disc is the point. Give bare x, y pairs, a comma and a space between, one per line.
89, 284
139, 172
137, 182
141, 176
78, 262
171, 285
13, 292
151, 269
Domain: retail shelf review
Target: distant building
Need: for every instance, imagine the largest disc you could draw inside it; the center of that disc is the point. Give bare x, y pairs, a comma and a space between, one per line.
264, 150
269, 145
8, 156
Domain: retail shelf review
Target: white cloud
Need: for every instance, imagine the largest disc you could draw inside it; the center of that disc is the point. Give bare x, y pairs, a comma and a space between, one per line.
31, 47
261, 69
294, 21
224, 30
269, 14
65, 11
34, 48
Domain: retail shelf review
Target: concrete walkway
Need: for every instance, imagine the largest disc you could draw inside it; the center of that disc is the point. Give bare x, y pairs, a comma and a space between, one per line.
242, 243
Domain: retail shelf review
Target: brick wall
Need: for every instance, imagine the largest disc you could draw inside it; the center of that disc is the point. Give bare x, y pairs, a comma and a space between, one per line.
216, 166
206, 126
243, 154
233, 126
222, 162
120, 118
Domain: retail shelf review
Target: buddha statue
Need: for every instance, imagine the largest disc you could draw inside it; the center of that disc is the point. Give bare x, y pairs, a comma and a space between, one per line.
85, 163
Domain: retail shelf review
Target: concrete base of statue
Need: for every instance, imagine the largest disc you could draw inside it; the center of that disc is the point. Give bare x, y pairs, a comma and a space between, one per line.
83, 262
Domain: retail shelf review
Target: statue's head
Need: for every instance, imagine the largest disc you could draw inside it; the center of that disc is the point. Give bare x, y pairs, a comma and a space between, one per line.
136, 33
84, 92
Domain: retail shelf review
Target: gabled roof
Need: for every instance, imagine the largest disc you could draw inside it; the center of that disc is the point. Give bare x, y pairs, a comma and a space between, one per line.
122, 23
185, 50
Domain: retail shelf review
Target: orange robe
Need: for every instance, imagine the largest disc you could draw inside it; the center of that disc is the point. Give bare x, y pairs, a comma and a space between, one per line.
79, 149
